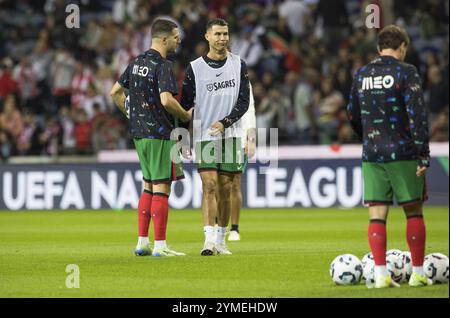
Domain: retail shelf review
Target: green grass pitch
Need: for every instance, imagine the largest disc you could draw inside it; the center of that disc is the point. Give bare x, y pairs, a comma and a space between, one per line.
283, 253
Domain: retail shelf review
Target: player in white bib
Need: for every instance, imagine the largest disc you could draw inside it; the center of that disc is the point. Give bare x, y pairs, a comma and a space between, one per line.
248, 125
217, 86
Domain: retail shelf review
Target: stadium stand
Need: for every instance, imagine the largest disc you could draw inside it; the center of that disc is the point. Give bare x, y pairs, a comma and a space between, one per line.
54, 81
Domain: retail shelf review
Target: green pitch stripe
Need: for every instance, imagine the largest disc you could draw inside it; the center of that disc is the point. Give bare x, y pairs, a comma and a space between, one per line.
284, 253
444, 163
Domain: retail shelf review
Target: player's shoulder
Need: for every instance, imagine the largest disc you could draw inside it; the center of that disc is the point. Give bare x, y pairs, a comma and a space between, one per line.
197, 61
154, 57
167, 62
362, 70
237, 59
368, 68
243, 64
409, 68
398, 64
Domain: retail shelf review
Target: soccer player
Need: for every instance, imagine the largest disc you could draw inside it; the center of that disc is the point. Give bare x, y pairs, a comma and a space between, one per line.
248, 125
151, 84
217, 84
387, 111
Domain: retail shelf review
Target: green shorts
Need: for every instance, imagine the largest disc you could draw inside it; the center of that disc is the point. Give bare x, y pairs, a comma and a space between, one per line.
383, 181
156, 162
224, 155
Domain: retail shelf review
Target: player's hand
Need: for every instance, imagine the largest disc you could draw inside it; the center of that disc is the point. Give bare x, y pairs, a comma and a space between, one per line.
186, 153
126, 107
217, 129
250, 149
190, 114
421, 171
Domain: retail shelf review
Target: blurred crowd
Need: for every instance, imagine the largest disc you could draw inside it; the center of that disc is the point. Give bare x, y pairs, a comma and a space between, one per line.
301, 55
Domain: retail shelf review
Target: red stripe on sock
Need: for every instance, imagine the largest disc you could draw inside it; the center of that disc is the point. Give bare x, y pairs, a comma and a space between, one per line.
144, 214
160, 213
416, 235
174, 172
377, 241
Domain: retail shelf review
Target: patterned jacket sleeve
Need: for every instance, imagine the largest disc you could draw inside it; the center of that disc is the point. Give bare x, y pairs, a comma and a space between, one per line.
354, 110
242, 104
417, 113
188, 92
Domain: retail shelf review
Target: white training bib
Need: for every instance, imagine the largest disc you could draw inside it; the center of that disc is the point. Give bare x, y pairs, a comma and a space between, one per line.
216, 94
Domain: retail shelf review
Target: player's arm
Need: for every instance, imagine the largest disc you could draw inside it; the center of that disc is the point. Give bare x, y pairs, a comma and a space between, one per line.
187, 101
118, 90
167, 89
118, 95
418, 117
354, 110
174, 108
241, 106
188, 90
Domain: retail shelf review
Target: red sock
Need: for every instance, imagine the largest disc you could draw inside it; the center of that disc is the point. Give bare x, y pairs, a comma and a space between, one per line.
160, 212
377, 241
416, 234
144, 214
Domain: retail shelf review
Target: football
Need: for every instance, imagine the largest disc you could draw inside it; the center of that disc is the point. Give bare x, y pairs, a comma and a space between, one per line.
395, 266
407, 265
367, 258
368, 265
394, 252
346, 269
435, 267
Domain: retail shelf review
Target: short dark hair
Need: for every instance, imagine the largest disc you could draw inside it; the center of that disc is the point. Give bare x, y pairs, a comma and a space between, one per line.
217, 21
392, 37
162, 27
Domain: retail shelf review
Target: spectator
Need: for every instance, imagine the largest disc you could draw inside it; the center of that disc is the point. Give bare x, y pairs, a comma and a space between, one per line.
50, 137
346, 135
268, 81
108, 133
107, 40
273, 112
333, 15
80, 83
296, 15
280, 40
439, 127
28, 141
26, 80
248, 47
11, 119
329, 102
66, 118
91, 37
123, 57
7, 84
303, 107
40, 62
258, 93
343, 80
264, 113
6, 145
62, 71
437, 93
82, 133
92, 98
104, 82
